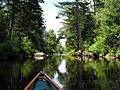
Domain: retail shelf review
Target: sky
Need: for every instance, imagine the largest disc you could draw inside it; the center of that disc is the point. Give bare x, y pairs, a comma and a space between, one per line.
50, 12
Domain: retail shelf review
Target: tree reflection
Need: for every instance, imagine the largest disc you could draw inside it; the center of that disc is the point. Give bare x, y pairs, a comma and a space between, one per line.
104, 74
51, 66
80, 75
74, 74
29, 69
93, 75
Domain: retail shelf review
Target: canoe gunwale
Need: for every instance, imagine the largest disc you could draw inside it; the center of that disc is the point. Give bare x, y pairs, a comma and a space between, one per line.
42, 75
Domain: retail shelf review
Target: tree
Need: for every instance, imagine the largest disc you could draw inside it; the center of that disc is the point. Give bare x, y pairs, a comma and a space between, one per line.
22, 19
107, 18
73, 30
52, 43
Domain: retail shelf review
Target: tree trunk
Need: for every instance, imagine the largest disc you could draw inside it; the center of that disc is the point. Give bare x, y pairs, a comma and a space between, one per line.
79, 31
12, 22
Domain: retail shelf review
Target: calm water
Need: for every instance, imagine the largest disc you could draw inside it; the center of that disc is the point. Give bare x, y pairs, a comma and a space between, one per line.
69, 72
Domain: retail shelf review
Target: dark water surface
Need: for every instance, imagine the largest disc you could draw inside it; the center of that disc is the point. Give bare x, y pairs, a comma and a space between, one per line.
69, 72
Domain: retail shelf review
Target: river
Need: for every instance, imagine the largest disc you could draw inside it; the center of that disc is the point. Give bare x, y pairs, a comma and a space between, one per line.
68, 72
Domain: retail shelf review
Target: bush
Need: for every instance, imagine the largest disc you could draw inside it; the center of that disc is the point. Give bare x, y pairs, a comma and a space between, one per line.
27, 46
99, 46
71, 52
8, 49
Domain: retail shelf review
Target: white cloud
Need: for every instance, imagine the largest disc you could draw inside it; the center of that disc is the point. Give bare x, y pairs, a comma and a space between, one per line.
50, 13
51, 21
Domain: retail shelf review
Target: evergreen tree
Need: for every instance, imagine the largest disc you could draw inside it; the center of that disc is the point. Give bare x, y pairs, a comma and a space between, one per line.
70, 23
20, 20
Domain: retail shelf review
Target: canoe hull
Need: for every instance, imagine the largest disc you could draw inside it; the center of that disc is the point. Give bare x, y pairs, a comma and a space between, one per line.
42, 82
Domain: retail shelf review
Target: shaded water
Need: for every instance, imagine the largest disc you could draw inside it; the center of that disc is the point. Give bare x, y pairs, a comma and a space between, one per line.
68, 72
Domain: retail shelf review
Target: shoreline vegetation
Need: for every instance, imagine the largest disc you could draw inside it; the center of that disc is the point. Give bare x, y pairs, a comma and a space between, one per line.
23, 31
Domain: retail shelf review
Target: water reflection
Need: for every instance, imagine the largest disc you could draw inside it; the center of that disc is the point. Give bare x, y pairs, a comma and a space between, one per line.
69, 72
93, 75
56, 79
62, 67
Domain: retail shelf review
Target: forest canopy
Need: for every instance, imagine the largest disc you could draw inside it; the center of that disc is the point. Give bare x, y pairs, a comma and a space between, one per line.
22, 27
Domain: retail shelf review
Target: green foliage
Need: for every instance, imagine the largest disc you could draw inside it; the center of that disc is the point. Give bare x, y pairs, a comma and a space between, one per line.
21, 23
8, 48
98, 67
87, 23
59, 48
118, 51
72, 42
52, 65
71, 52
98, 46
27, 46
22, 27
52, 43
108, 20
31, 66
100, 28
106, 74
26, 68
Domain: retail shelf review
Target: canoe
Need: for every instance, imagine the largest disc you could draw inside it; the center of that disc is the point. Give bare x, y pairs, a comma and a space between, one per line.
42, 82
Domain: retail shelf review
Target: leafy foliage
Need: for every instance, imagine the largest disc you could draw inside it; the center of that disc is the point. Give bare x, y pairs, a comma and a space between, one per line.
108, 22
21, 22
52, 43
87, 23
